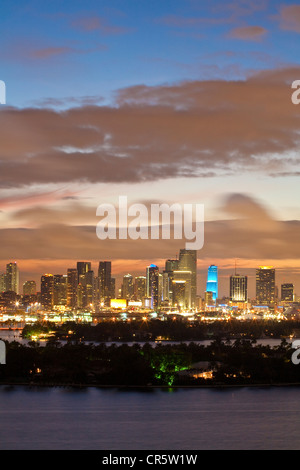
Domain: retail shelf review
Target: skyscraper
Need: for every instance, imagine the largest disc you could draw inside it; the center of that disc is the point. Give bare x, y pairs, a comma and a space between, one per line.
265, 285
60, 289
287, 292
238, 288
140, 287
212, 281
47, 291
105, 282
83, 267
72, 283
12, 277
188, 262
127, 287
152, 274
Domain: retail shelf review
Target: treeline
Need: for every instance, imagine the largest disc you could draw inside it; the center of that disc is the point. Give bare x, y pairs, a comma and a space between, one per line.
174, 330
80, 363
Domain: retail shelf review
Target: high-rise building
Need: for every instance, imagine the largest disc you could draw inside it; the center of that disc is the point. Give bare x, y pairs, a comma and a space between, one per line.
182, 283
3, 283
127, 287
83, 267
29, 288
238, 288
171, 265
106, 283
60, 289
212, 281
265, 285
139, 288
188, 262
47, 291
12, 277
152, 281
72, 284
287, 293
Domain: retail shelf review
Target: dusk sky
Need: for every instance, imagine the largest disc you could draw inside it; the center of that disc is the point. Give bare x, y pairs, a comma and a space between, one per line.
173, 101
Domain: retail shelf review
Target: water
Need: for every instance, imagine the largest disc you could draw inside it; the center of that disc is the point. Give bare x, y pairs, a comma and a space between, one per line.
183, 419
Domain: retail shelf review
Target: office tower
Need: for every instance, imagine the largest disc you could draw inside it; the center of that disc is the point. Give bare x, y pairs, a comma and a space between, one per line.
140, 288
238, 288
83, 267
86, 289
287, 293
47, 291
208, 299
152, 286
127, 287
29, 288
12, 277
188, 262
3, 283
179, 294
60, 296
265, 285
182, 282
72, 284
212, 282
105, 282
171, 265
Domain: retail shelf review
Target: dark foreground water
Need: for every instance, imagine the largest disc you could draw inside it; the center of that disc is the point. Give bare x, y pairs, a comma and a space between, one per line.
184, 419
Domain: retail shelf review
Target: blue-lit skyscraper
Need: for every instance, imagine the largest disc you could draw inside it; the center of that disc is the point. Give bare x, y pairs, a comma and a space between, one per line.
212, 281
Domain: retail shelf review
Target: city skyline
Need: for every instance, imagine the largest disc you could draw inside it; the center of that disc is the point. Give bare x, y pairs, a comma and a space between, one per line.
174, 102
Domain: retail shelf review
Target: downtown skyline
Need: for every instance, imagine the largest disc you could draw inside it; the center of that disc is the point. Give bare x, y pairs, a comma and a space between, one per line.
174, 102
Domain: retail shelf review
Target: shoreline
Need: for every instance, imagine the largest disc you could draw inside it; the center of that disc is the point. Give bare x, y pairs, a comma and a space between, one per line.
150, 387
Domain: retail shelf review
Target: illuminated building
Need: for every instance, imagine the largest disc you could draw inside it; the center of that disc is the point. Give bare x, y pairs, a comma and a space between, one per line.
208, 299
60, 289
3, 283
238, 288
106, 284
72, 283
265, 285
140, 287
287, 293
118, 303
12, 278
83, 267
127, 287
212, 282
85, 289
47, 290
184, 278
171, 265
152, 279
188, 262
29, 288
179, 294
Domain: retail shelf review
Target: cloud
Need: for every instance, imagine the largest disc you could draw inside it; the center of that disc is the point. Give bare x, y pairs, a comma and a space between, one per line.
248, 33
189, 129
289, 18
97, 23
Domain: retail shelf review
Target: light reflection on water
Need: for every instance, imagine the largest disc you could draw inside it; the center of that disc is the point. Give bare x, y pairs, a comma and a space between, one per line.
155, 419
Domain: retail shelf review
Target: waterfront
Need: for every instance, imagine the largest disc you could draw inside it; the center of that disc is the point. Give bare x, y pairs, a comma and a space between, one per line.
203, 419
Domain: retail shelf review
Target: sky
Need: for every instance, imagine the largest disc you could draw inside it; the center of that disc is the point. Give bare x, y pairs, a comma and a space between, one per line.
182, 101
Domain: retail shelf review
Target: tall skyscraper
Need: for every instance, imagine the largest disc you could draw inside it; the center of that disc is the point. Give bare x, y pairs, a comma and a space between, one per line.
60, 289
127, 287
265, 285
212, 281
238, 288
47, 291
182, 288
140, 288
12, 277
188, 262
287, 292
83, 267
72, 283
152, 274
171, 265
106, 285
